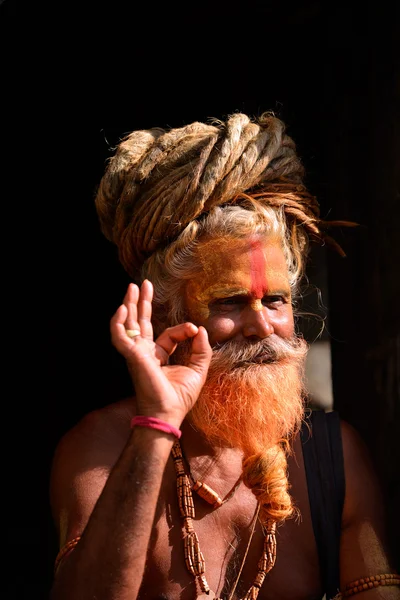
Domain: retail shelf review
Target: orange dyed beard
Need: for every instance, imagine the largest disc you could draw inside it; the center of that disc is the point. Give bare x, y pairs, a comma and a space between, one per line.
247, 404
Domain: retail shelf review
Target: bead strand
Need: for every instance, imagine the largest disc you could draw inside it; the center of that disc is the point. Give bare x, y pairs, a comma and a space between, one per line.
366, 583
206, 492
266, 561
194, 558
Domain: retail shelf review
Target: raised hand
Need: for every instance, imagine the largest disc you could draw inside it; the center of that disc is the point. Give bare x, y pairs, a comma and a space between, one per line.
162, 390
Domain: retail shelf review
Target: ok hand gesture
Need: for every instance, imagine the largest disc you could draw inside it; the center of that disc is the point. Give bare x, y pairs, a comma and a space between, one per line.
162, 390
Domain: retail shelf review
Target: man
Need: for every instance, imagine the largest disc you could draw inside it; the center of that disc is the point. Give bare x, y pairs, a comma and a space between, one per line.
189, 488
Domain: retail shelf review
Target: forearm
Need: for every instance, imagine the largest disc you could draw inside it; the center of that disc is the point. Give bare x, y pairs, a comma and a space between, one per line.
108, 563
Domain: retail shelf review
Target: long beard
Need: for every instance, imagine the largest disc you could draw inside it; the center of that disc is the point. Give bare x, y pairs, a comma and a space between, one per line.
253, 397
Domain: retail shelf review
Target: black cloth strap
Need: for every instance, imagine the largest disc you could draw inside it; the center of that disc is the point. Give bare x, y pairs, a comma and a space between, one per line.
324, 466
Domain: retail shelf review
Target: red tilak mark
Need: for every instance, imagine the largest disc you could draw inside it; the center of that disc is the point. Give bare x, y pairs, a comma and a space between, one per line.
257, 270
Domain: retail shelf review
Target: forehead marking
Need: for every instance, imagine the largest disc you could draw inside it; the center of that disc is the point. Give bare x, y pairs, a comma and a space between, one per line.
257, 305
257, 270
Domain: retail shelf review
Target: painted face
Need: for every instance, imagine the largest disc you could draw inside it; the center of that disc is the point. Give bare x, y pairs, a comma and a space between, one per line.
243, 290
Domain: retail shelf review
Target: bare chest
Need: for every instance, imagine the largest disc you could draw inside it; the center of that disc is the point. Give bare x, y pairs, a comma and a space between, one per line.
224, 535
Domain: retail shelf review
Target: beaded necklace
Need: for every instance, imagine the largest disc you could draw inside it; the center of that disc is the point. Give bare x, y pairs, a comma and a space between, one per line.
205, 491
194, 558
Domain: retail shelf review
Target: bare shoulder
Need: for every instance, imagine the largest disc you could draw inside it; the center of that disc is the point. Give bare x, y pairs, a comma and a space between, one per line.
97, 439
363, 490
82, 462
364, 549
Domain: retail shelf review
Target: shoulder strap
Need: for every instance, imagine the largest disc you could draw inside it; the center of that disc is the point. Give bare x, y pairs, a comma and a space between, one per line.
324, 467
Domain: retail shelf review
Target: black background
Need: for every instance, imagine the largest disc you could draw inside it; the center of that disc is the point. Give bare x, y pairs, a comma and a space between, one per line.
76, 78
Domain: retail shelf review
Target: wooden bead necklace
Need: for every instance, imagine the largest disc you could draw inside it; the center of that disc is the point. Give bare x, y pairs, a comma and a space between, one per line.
205, 491
194, 558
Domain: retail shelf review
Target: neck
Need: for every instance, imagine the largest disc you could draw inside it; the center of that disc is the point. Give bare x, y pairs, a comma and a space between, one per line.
209, 461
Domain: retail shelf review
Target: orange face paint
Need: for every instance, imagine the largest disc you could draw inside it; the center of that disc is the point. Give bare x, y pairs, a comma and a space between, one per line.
250, 268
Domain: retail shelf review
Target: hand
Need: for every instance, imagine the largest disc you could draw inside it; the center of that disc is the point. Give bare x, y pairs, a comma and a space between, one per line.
162, 390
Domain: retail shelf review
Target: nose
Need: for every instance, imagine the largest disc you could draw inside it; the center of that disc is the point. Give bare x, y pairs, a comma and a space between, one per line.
256, 323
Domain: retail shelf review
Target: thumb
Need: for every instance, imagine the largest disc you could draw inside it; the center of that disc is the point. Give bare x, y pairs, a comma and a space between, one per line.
201, 354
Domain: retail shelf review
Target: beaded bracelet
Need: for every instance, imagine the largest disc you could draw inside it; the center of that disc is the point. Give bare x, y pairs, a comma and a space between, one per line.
65, 550
367, 583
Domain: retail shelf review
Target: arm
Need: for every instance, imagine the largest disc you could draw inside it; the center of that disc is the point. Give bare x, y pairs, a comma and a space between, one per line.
108, 562
114, 505
363, 550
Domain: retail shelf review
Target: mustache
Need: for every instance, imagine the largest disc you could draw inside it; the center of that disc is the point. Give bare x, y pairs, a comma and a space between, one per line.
268, 351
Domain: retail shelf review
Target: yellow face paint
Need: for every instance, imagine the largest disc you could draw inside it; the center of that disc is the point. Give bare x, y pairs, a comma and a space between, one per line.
256, 304
250, 268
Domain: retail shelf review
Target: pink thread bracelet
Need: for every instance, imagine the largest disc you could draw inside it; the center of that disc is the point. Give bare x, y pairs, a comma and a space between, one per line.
155, 423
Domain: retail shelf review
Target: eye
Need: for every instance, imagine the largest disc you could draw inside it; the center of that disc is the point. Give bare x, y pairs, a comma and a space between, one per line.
274, 300
229, 302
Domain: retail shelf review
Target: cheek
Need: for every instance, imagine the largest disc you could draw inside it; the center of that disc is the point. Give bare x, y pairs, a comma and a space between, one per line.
220, 328
283, 323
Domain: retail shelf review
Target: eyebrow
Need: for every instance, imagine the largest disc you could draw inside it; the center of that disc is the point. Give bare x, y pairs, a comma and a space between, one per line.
218, 292
240, 293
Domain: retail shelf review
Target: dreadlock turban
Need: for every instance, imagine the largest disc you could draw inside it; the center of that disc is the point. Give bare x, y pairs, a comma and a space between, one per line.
158, 181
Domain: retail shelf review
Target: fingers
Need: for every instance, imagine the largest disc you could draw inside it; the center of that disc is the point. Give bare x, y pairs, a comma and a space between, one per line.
127, 318
139, 309
130, 301
144, 309
118, 331
172, 336
201, 352
135, 314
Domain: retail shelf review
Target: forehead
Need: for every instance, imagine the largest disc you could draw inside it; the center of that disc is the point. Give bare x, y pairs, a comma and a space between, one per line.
252, 262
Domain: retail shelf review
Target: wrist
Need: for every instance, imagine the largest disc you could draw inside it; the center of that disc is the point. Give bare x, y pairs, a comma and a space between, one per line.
168, 417
156, 423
